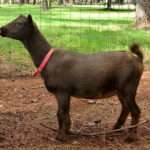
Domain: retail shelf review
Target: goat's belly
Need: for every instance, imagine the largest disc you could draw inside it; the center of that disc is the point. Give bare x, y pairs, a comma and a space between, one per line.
99, 95
106, 95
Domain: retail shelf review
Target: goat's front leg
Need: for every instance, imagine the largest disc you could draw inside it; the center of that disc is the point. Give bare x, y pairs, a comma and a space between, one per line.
63, 116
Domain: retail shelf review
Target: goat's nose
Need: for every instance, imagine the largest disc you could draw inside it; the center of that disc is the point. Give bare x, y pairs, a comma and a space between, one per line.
3, 31
0, 31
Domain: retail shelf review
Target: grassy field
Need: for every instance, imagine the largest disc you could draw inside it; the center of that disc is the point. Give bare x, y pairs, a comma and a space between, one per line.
78, 28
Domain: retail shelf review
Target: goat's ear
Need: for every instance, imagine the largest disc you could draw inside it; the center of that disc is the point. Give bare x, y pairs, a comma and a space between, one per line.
30, 19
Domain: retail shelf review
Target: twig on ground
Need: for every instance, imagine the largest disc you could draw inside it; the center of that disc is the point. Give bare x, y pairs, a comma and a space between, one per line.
114, 131
38, 87
55, 130
101, 133
147, 128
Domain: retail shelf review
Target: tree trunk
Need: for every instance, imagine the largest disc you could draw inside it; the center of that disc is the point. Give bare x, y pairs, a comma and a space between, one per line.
50, 3
34, 2
12, 1
109, 2
143, 13
27, 1
60, 2
121, 1
44, 5
21, 1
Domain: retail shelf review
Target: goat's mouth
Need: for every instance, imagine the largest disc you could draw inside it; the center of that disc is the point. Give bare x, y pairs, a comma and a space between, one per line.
3, 32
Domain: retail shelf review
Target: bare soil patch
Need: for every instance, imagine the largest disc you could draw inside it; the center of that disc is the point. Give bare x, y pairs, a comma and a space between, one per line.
28, 112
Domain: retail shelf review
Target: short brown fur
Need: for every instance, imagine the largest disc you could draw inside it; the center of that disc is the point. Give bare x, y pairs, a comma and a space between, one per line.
82, 75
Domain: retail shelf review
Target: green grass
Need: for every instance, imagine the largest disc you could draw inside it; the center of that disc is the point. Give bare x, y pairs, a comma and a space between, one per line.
82, 29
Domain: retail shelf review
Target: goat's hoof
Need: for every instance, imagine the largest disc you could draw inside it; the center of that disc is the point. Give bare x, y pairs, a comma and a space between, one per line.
118, 129
117, 126
61, 138
69, 132
131, 139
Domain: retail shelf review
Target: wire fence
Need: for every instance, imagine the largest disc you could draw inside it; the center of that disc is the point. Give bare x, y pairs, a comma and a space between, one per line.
81, 27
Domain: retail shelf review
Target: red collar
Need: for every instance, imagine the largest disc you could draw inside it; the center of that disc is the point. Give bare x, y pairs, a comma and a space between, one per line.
44, 62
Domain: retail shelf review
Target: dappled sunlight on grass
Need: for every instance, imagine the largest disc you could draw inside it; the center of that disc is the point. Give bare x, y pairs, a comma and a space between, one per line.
99, 15
84, 29
111, 27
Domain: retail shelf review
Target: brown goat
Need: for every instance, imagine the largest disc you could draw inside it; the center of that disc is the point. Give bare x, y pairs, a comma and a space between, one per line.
82, 75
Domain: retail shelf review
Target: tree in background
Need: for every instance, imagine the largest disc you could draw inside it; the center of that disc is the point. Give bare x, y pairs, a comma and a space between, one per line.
27, 1
143, 13
44, 5
109, 2
119, 1
22, 1
34, 2
60, 2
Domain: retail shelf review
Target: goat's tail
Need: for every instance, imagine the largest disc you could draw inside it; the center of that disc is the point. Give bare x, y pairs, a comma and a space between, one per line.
135, 48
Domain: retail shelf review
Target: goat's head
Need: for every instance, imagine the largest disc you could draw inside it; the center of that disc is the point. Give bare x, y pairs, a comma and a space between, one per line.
21, 28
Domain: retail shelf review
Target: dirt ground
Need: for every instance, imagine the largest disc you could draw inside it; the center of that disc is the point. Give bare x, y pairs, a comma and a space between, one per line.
28, 117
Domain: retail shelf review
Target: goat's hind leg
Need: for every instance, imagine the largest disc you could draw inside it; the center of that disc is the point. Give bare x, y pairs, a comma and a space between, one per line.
124, 112
135, 114
129, 94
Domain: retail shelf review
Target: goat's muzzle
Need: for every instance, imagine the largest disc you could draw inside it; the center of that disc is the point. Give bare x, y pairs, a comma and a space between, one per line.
0, 31
3, 31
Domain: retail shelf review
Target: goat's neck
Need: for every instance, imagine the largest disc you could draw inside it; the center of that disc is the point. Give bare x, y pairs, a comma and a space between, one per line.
37, 46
